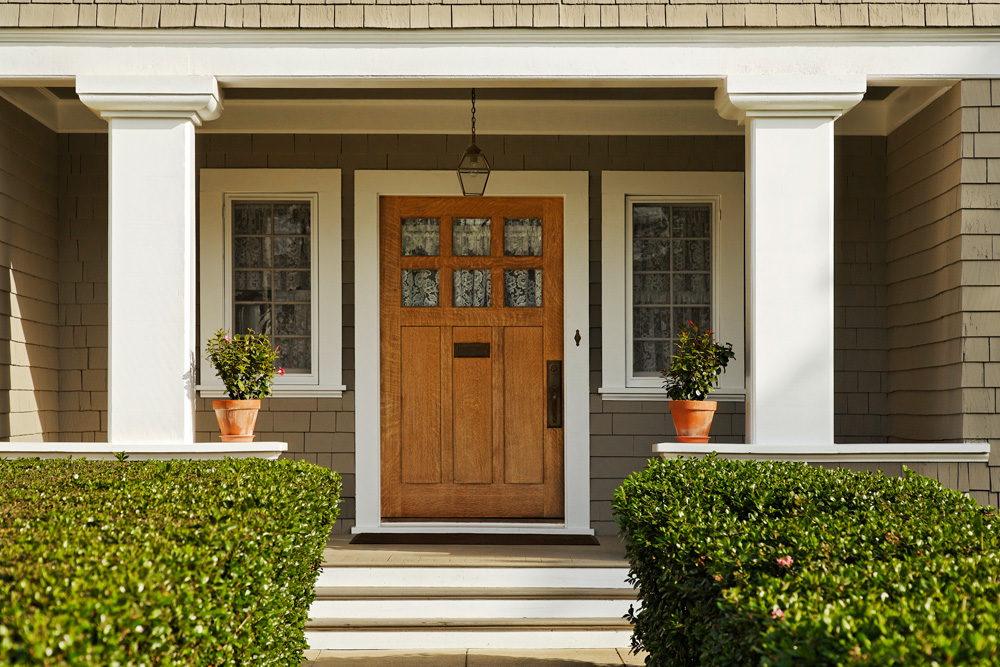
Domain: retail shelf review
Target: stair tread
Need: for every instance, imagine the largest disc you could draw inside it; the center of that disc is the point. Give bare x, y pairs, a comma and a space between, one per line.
458, 623
437, 593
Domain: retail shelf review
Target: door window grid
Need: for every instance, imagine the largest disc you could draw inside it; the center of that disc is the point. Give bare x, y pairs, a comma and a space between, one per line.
271, 244
471, 237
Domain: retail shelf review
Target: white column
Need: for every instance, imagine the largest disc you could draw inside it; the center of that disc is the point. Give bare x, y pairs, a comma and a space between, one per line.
151, 252
789, 267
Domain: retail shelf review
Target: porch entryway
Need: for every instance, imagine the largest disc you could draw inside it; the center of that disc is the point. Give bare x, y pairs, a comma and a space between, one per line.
435, 597
471, 358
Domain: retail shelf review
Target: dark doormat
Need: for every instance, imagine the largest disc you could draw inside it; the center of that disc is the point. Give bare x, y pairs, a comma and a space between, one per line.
475, 539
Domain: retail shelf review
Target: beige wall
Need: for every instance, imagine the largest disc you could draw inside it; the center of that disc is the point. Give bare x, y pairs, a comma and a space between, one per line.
492, 13
29, 291
83, 287
322, 430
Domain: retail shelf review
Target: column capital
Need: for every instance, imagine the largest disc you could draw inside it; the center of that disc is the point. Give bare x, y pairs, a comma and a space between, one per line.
197, 98
742, 97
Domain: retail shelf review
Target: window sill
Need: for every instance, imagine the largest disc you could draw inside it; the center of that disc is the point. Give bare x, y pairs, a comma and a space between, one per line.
961, 452
288, 391
650, 394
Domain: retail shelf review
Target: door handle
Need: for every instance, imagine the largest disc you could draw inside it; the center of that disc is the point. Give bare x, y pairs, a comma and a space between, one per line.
553, 394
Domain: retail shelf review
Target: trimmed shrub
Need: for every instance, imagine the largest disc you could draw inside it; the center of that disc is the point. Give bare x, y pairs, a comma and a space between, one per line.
199, 563
779, 564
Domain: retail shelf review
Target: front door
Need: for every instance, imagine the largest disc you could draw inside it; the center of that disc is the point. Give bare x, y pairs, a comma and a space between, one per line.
471, 358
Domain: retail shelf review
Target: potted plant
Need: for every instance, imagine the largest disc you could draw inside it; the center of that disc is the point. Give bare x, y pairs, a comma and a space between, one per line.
693, 372
245, 364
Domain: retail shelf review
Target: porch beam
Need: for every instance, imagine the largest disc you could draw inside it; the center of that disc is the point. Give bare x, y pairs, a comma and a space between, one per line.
789, 245
151, 252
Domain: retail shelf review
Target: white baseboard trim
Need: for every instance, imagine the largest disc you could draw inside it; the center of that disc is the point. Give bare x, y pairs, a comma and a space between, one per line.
934, 452
101, 451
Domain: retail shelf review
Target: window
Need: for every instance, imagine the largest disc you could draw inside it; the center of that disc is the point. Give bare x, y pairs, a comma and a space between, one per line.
672, 251
271, 262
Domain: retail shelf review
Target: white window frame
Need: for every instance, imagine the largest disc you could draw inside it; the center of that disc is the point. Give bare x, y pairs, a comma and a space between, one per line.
725, 192
321, 187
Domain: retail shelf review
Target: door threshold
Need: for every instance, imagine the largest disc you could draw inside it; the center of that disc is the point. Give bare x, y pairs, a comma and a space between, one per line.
472, 528
476, 539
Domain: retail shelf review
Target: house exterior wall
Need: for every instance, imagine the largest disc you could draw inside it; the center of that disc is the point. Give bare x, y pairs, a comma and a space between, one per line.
321, 430
83, 287
29, 289
491, 14
944, 281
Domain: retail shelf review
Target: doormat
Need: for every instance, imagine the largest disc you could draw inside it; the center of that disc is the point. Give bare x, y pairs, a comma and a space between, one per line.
475, 539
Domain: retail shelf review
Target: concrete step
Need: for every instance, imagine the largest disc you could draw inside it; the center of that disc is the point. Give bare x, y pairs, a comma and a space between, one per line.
424, 608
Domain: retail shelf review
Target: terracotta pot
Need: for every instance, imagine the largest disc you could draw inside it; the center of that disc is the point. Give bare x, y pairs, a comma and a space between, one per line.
692, 419
236, 419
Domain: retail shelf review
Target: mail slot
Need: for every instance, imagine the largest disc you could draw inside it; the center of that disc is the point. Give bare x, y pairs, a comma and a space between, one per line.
472, 350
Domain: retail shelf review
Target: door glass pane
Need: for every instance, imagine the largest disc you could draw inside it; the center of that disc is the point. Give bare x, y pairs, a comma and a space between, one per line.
472, 288
692, 222
522, 288
650, 254
421, 237
692, 255
251, 218
292, 286
420, 287
470, 236
522, 237
650, 288
291, 218
252, 285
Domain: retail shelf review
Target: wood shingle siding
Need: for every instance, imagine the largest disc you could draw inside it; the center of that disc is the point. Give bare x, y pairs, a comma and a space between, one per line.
320, 14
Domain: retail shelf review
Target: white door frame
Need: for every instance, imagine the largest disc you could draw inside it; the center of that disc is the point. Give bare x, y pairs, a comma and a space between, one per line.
572, 186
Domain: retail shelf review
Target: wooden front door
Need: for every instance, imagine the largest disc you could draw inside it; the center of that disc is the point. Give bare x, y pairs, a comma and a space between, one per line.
471, 357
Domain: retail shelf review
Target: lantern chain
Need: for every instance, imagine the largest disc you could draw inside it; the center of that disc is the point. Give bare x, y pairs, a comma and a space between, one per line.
473, 115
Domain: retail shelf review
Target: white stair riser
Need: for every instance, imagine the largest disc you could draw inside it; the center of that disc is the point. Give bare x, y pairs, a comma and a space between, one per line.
461, 609
474, 577
463, 639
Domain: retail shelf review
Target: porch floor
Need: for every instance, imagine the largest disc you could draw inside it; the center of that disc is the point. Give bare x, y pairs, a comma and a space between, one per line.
341, 553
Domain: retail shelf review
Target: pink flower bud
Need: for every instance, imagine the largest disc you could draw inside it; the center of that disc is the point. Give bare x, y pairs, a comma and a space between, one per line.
281, 371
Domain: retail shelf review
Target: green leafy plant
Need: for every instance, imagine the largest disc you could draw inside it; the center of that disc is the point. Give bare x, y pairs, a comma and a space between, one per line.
696, 367
244, 363
198, 563
778, 564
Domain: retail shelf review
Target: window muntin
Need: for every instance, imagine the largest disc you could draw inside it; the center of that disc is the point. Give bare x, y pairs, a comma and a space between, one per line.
670, 261
272, 285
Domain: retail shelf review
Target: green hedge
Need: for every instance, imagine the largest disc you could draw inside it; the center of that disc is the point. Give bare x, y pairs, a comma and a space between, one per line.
160, 563
883, 571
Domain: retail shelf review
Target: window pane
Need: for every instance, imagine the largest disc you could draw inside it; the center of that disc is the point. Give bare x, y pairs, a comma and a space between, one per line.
651, 323
291, 319
291, 252
470, 236
295, 354
291, 218
522, 288
649, 357
522, 237
650, 255
421, 237
267, 236
251, 217
651, 288
252, 285
251, 252
420, 287
692, 221
692, 255
651, 221
292, 286
472, 288
700, 316
693, 288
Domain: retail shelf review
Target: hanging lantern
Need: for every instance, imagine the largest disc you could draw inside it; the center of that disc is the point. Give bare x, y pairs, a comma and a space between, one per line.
474, 169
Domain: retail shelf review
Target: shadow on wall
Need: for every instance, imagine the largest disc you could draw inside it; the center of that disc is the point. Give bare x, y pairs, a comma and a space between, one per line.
29, 380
